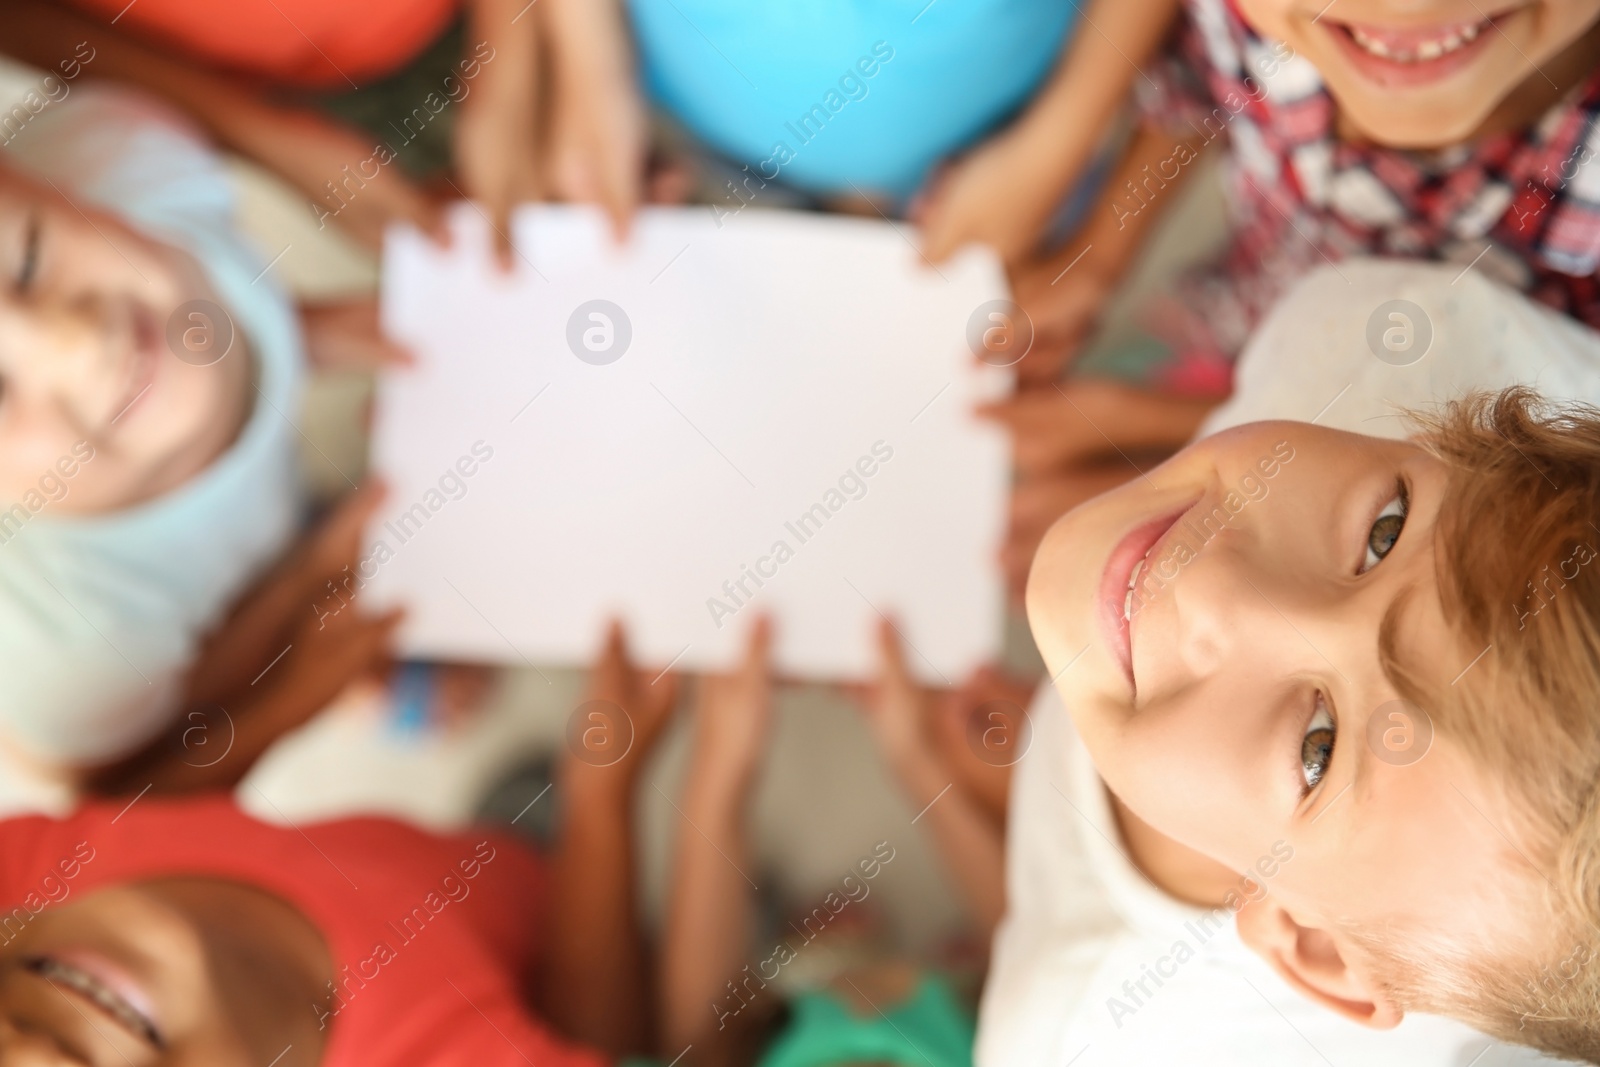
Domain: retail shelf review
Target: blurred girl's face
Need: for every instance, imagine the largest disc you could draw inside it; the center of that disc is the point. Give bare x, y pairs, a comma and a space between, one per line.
1426, 73
89, 382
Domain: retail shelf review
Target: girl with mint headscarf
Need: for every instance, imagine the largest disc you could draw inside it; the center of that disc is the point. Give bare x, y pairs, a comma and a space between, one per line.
150, 378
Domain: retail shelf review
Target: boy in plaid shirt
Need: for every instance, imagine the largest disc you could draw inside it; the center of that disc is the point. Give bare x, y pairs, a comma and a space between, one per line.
1450, 133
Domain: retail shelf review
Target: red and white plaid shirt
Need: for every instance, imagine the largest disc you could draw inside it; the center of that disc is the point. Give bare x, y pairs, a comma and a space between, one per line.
1523, 206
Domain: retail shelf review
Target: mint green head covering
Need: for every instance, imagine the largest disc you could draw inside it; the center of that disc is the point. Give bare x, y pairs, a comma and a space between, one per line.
928, 1029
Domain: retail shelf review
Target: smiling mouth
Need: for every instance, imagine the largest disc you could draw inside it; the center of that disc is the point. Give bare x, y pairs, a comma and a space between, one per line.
1415, 57
99, 993
1119, 582
1414, 46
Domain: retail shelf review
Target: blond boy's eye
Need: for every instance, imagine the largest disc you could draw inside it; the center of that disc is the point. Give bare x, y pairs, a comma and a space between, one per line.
1385, 530
1316, 746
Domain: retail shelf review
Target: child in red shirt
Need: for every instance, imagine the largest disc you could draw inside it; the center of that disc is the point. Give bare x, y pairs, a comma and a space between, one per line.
188, 931
146, 930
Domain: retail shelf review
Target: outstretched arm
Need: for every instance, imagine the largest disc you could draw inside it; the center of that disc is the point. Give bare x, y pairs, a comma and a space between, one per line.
711, 911
1005, 191
597, 979
289, 647
1064, 293
969, 841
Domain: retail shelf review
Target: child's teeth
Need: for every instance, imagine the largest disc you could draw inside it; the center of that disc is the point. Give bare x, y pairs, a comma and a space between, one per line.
1376, 47
1424, 51
1133, 580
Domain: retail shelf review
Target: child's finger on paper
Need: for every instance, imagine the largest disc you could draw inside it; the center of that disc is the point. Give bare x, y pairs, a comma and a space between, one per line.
981, 680
668, 181
379, 630
619, 197
344, 633
359, 504
611, 670
925, 212
399, 200
891, 656
1006, 412
500, 222
427, 213
364, 644
1045, 360
758, 649
621, 221
386, 352
1038, 502
438, 227
338, 540
1016, 561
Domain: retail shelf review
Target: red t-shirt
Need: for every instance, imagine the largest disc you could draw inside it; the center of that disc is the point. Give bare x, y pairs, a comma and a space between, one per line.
431, 936
318, 44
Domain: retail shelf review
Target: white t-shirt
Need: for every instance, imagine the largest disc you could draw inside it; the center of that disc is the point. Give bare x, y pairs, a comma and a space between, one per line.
100, 615
1081, 920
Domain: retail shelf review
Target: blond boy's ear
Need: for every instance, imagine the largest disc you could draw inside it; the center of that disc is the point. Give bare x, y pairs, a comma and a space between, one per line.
1310, 959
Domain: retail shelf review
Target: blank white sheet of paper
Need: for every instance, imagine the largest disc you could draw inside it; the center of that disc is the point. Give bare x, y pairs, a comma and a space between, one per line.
710, 422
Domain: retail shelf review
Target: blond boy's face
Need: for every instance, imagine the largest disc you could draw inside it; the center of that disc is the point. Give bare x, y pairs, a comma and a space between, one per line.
97, 412
1423, 73
1214, 632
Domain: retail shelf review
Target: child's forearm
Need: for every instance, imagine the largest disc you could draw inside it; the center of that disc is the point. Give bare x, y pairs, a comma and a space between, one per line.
596, 985
590, 36
709, 917
970, 844
509, 29
1070, 116
1145, 184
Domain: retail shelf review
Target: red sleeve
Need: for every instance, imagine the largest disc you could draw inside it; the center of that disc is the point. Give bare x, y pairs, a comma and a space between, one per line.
43, 862
19, 847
